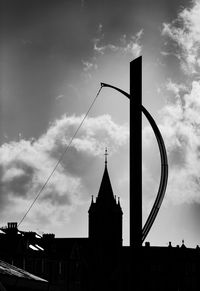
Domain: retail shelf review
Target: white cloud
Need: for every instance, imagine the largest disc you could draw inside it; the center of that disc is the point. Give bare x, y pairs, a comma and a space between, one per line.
181, 117
59, 97
88, 66
180, 127
125, 46
25, 165
175, 88
100, 28
12, 173
185, 32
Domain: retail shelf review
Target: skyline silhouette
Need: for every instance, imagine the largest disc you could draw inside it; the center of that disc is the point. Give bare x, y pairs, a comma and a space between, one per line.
97, 262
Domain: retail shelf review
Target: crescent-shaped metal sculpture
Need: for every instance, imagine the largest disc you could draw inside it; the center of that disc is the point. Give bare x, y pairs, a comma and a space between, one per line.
164, 166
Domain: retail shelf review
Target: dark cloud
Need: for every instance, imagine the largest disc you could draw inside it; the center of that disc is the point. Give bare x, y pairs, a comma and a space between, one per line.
79, 164
44, 43
26, 165
16, 180
19, 185
56, 199
177, 155
4, 199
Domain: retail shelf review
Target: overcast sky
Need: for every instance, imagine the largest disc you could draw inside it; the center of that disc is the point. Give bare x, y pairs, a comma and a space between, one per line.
53, 56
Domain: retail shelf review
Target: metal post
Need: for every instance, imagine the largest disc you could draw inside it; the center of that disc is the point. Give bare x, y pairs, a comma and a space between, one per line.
136, 153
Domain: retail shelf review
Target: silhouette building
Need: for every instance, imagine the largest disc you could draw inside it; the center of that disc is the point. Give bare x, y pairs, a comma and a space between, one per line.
99, 262
105, 216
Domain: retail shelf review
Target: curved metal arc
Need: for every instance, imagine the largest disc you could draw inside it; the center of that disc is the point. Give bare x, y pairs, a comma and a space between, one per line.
164, 166
163, 178
118, 89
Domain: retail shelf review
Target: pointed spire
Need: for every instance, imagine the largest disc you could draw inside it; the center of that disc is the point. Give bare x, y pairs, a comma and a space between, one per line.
92, 204
105, 191
119, 206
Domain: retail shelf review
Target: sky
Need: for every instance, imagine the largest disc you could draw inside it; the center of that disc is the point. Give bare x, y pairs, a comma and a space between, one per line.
53, 56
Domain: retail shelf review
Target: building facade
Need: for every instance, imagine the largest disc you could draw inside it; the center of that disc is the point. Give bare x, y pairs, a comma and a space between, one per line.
100, 261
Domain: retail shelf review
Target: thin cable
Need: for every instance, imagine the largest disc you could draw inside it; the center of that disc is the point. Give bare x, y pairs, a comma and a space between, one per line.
58, 162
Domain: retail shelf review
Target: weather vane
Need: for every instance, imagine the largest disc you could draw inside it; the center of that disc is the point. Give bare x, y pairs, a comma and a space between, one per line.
106, 156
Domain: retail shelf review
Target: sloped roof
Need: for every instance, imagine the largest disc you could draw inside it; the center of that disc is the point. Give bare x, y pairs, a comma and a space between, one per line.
8, 269
16, 277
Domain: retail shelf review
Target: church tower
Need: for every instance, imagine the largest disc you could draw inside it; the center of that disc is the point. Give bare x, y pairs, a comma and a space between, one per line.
105, 215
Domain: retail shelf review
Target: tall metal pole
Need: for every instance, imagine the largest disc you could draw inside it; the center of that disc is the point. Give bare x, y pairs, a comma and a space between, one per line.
135, 98
136, 153
137, 234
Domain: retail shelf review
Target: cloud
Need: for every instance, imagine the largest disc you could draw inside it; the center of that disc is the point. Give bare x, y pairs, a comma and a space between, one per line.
180, 127
88, 66
175, 88
59, 97
26, 164
125, 46
185, 34
180, 117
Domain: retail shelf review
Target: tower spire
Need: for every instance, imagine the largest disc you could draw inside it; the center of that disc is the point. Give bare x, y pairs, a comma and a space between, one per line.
105, 216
